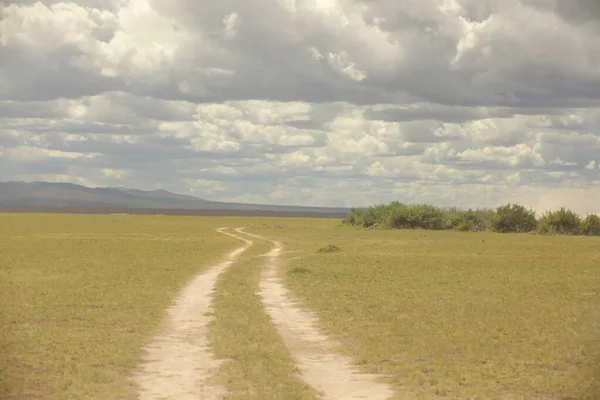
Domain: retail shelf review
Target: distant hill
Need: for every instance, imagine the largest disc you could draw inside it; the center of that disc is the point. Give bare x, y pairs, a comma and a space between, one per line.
69, 197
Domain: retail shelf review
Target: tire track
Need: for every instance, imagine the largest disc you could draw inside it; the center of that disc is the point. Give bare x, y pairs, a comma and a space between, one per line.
179, 363
330, 373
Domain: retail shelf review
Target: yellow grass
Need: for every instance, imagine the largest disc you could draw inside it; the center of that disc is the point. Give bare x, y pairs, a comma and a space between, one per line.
80, 295
441, 314
457, 315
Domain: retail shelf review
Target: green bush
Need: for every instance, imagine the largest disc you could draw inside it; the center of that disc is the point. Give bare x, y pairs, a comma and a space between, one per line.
562, 222
352, 217
507, 218
356, 217
397, 216
591, 225
370, 217
428, 217
466, 221
513, 218
414, 216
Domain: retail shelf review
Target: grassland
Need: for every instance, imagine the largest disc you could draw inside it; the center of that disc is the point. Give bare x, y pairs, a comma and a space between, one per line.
456, 315
80, 295
441, 314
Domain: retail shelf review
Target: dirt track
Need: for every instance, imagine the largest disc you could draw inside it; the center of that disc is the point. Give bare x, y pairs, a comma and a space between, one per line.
317, 357
180, 365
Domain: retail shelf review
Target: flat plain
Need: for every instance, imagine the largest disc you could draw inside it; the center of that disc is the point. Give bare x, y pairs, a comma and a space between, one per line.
81, 295
452, 314
438, 314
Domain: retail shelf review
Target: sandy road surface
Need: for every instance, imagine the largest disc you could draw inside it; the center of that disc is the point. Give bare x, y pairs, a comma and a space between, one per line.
178, 363
315, 354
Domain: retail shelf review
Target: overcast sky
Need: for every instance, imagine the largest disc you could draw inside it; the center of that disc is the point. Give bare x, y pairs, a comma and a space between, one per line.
310, 102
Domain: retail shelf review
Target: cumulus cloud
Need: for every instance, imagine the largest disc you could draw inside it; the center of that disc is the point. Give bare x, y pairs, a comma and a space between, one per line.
319, 102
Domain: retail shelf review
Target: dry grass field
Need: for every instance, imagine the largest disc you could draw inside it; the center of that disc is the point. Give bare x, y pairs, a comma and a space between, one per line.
456, 315
80, 295
440, 314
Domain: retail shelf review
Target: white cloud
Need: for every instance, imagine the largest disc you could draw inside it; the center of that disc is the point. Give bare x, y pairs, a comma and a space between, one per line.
295, 159
114, 173
510, 156
377, 169
330, 102
32, 153
345, 67
558, 161
230, 23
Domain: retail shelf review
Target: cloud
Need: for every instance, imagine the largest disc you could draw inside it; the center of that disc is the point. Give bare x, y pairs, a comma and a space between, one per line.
321, 102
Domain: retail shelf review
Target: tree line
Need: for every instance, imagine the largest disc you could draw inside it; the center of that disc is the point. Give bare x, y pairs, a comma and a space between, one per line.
508, 218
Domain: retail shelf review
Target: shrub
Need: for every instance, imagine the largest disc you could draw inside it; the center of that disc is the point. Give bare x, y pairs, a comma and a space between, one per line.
513, 218
562, 222
356, 217
330, 248
591, 225
353, 218
368, 218
397, 217
415, 216
466, 221
506, 218
376, 215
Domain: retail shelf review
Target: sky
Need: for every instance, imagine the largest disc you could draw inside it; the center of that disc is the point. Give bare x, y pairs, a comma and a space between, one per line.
472, 103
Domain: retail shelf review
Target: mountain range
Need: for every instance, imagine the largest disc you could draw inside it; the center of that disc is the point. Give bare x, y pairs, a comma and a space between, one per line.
69, 197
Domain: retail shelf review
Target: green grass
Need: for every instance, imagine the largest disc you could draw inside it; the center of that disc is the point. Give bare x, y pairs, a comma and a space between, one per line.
80, 296
257, 366
457, 315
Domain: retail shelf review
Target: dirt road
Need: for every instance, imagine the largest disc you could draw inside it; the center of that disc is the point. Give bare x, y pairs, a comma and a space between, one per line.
178, 363
317, 356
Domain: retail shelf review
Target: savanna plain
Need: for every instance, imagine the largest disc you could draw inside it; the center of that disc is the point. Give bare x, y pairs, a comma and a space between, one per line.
436, 314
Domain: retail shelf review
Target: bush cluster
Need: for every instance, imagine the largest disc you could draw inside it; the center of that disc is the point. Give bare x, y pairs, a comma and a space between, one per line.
508, 218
